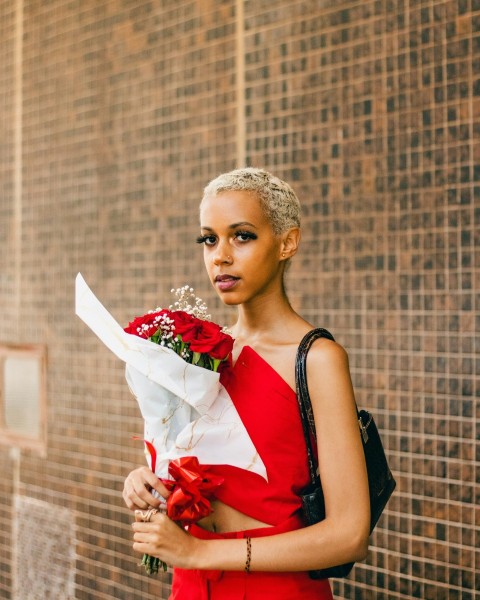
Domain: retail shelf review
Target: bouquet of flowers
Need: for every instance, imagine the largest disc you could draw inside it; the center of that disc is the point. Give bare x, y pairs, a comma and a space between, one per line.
173, 358
185, 328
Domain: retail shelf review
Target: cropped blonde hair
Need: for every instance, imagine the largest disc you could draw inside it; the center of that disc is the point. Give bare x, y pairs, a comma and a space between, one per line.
279, 202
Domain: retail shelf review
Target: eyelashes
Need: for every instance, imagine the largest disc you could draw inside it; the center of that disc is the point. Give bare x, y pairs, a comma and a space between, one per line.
202, 239
243, 236
248, 235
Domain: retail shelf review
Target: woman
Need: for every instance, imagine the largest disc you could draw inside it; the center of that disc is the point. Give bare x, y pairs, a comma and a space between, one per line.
254, 544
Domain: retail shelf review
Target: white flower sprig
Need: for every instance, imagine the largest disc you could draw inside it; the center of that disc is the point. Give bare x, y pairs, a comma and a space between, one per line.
162, 322
162, 329
189, 303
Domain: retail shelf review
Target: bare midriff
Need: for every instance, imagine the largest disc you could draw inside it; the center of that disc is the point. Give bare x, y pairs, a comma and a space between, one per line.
224, 519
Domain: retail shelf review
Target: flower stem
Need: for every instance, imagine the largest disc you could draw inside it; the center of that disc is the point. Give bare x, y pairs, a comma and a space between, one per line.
151, 564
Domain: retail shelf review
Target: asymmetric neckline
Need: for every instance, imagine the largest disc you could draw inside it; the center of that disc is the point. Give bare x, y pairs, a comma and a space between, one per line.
268, 408
255, 354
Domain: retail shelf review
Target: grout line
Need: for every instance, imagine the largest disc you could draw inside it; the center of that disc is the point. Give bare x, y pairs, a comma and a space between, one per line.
17, 182
240, 82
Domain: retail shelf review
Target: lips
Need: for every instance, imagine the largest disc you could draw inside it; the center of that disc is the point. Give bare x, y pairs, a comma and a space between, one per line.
226, 282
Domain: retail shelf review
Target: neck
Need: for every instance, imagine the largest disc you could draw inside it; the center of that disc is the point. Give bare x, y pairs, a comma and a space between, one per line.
263, 317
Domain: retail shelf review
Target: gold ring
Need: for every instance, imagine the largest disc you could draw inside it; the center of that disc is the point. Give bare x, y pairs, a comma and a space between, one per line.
146, 515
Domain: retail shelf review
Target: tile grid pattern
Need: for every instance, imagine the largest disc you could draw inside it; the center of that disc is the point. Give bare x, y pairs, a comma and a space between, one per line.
370, 110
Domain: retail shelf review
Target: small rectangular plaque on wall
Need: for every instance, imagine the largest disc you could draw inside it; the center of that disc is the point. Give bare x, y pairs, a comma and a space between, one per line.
23, 396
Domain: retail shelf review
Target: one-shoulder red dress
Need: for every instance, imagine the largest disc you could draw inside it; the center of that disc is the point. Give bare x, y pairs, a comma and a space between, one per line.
269, 410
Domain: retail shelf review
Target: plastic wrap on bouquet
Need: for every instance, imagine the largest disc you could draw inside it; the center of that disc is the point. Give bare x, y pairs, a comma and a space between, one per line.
186, 410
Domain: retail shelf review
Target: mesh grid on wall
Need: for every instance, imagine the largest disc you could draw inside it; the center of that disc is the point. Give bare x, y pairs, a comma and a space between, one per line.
44, 564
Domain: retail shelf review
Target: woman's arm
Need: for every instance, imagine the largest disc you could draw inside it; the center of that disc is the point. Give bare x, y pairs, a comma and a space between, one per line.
341, 537
340, 452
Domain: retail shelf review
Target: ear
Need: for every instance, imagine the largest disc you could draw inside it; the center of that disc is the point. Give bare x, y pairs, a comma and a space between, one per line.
290, 242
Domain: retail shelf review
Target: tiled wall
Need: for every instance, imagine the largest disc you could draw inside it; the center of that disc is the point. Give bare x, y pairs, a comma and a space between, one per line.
114, 115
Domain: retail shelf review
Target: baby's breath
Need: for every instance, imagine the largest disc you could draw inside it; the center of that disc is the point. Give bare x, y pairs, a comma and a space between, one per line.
189, 303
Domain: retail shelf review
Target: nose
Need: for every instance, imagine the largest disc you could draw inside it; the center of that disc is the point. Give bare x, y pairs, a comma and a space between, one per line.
221, 256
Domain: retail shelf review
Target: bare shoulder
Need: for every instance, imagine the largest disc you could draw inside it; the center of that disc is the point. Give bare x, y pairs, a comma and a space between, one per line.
328, 374
325, 352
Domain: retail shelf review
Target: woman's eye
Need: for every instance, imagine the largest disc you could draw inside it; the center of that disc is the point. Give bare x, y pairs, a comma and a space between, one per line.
244, 236
208, 240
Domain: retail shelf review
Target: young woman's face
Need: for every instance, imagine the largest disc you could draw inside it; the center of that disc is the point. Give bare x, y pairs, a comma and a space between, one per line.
241, 252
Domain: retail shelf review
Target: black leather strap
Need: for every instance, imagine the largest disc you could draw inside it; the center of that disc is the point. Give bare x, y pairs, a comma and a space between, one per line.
303, 396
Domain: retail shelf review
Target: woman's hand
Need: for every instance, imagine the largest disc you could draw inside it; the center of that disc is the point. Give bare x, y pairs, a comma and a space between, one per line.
138, 487
165, 539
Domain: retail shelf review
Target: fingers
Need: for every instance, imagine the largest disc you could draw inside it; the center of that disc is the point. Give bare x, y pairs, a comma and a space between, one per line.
152, 533
147, 516
148, 529
143, 537
163, 538
138, 487
138, 497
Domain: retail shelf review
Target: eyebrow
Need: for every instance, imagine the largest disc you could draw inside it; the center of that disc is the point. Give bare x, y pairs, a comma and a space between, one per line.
233, 225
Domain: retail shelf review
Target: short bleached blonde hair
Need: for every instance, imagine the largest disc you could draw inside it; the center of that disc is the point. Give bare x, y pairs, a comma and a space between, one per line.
278, 200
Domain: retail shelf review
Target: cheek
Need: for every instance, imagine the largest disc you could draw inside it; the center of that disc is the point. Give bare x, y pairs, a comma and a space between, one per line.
263, 252
208, 260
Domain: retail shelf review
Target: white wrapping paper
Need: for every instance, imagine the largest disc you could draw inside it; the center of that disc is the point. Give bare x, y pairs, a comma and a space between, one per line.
186, 410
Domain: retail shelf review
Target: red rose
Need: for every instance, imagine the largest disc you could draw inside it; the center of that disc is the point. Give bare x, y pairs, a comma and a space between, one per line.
202, 336
212, 341
145, 325
186, 325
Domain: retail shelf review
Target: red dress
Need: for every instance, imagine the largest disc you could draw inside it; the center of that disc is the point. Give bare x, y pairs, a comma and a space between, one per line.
269, 410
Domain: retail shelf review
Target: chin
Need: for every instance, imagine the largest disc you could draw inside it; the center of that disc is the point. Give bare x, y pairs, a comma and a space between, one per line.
229, 299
